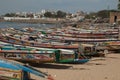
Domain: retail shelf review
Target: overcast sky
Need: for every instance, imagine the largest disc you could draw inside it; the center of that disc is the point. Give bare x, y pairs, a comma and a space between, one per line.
7, 6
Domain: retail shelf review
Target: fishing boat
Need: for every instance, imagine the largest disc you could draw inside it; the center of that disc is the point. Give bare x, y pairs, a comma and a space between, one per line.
12, 40
89, 35
31, 55
70, 39
40, 55
113, 46
12, 70
91, 50
84, 33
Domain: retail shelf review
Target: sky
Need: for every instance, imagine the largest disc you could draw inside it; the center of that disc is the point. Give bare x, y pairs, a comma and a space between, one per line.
7, 6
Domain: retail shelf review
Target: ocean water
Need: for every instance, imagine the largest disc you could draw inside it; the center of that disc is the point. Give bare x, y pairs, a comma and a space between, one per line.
21, 25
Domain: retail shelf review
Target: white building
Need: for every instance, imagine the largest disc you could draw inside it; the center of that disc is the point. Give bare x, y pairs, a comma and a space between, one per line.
15, 18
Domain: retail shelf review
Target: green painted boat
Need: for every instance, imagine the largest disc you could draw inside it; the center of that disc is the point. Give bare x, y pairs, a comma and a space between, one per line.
40, 55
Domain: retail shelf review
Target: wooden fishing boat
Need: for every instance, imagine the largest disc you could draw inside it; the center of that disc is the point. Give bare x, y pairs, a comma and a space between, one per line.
90, 50
28, 54
68, 56
68, 39
84, 32
84, 35
13, 40
12, 70
41, 55
76, 36
93, 33
113, 46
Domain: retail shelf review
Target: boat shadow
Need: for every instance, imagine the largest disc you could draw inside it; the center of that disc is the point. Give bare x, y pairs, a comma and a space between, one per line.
51, 66
113, 57
91, 64
72, 68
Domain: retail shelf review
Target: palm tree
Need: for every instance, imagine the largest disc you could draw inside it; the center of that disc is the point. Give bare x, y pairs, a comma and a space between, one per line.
118, 4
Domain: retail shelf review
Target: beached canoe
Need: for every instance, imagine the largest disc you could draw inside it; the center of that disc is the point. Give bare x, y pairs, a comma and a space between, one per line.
39, 55
17, 71
16, 41
74, 61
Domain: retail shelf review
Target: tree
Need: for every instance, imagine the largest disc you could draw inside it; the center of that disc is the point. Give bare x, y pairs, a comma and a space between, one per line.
118, 4
60, 14
10, 15
49, 14
103, 13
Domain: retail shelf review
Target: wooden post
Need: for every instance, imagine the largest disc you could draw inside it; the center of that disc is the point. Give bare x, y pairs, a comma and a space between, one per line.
80, 49
119, 33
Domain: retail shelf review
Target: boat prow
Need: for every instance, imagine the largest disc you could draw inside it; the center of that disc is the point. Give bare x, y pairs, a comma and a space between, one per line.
22, 69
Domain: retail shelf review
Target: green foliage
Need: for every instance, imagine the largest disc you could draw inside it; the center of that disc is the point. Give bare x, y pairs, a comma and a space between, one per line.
58, 14
10, 15
100, 14
103, 13
119, 6
49, 14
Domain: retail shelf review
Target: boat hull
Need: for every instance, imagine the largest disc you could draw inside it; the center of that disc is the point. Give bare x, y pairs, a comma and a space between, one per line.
75, 61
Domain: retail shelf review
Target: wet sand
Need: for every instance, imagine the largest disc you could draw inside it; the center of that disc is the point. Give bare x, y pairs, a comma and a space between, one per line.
96, 69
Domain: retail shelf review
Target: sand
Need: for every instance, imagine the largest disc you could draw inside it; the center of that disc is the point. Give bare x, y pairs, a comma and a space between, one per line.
96, 69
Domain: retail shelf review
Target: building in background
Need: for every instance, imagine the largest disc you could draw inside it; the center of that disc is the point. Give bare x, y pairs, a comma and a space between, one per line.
115, 15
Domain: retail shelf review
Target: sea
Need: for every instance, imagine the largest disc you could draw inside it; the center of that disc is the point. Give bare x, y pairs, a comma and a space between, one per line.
18, 25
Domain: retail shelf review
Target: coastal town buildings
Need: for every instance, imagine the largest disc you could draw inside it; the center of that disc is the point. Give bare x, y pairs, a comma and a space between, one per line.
79, 15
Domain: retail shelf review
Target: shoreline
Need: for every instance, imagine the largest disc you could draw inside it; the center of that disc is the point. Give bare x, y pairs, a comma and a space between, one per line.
42, 21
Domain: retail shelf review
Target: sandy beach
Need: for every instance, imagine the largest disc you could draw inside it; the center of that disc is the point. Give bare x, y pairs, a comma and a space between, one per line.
96, 69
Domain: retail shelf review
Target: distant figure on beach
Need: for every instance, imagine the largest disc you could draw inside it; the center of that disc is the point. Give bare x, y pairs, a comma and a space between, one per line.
105, 52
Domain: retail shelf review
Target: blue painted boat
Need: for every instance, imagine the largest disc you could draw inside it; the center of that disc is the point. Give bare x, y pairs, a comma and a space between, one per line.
24, 69
81, 61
